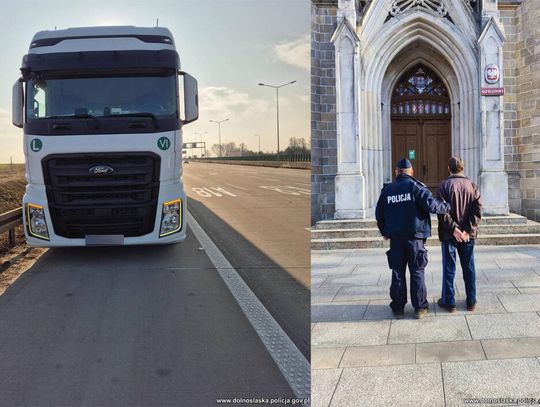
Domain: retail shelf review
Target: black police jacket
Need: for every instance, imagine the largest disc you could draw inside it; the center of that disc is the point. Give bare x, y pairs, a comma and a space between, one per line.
404, 206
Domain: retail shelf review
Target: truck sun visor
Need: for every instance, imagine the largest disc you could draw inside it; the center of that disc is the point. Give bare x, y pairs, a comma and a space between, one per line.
99, 60
47, 42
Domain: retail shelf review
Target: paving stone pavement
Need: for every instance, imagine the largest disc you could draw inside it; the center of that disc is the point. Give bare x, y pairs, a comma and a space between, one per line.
363, 356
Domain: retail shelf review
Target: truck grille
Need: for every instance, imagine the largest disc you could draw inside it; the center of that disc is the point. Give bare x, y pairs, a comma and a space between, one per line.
123, 202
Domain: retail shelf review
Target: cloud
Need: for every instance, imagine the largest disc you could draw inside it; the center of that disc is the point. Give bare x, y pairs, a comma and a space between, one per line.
305, 98
6, 127
224, 101
295, 52
4, 115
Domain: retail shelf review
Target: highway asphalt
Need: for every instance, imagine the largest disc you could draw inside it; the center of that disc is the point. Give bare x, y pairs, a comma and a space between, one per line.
259, 218
157, 326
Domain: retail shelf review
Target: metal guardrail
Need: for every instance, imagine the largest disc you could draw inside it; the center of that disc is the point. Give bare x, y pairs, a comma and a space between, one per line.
9, 221
266, 157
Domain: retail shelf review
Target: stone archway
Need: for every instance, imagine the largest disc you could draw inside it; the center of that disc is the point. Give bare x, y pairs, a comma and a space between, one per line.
388, 41
420, 109
422, 37
418, 53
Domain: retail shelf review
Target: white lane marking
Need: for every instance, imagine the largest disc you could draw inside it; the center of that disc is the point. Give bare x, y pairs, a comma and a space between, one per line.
224, 191
287, 189
212, 192
209, 192
201, 192
237, 187
292, 364
301, 189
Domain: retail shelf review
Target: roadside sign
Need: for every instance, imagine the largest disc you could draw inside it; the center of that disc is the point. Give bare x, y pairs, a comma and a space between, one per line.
197, 144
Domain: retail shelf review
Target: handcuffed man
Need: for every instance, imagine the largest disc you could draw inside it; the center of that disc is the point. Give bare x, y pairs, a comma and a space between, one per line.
457, 233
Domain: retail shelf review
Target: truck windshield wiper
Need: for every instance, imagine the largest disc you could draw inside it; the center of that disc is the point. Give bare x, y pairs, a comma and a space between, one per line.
137, 114
77, 116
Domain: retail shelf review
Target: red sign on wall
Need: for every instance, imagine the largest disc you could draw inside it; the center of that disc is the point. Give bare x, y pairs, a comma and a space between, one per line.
492, 91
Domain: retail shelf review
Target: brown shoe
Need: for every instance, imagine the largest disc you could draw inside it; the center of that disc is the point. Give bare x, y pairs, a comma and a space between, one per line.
421, 313
471, 308
450, 308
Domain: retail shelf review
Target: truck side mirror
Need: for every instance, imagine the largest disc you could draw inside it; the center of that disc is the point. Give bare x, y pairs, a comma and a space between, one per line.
191, 98
17, 104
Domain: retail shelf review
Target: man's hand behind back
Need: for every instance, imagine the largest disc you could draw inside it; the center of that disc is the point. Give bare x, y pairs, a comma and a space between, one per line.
461, 236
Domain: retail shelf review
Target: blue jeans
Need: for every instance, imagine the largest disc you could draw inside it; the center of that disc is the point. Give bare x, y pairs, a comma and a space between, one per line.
465, 251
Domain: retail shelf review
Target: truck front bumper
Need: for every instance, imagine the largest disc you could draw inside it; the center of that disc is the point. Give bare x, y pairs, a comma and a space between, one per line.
168, 191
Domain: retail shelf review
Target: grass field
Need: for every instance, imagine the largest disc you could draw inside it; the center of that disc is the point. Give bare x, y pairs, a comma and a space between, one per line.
7, 167
11, 193
12, 185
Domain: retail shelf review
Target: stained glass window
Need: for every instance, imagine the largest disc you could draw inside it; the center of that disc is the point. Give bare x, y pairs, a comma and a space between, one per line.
420, 92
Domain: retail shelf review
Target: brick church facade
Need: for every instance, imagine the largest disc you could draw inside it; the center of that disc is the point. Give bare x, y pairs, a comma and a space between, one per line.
425, 79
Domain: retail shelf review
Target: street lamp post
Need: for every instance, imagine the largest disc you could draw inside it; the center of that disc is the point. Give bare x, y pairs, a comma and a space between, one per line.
277, 107
200, 135
258, 135
219, 131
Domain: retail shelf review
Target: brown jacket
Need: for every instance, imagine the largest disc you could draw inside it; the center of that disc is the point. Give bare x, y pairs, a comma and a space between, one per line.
464, 197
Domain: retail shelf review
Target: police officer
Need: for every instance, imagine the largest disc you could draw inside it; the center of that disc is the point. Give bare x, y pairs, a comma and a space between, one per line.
403, 217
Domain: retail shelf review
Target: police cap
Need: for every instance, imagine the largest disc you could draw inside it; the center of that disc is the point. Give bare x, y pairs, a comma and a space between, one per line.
403, 164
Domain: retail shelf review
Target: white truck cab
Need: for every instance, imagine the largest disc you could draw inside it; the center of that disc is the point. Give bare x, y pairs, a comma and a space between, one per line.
103, 136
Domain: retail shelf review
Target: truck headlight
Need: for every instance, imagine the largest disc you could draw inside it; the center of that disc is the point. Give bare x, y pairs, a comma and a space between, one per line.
171, 217
37, 225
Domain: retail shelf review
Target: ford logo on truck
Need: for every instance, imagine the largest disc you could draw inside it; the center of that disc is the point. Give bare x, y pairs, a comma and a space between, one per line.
100, 170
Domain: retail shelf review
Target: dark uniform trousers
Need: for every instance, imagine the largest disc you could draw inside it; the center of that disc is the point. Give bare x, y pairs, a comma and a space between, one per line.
411, 252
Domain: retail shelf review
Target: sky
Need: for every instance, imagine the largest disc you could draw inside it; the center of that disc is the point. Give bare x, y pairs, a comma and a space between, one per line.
228, 45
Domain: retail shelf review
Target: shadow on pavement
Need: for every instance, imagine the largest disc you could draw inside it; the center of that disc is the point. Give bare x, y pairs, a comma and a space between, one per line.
125, 326
283, 296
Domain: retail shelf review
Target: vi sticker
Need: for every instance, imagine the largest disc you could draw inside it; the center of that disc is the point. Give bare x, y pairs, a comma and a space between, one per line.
164, 143
36, 145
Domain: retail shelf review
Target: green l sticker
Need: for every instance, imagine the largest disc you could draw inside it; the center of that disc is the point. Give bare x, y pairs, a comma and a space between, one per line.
412, 154
36, 145
164, 143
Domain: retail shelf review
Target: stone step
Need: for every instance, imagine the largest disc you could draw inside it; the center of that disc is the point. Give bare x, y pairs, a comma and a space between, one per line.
347, 356
529, 227
512, 219
372, 242
344, 233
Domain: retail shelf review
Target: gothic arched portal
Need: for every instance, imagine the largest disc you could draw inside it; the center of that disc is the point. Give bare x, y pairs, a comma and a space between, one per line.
421, 118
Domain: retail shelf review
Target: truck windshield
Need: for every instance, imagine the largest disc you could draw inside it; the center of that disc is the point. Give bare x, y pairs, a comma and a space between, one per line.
102, 96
